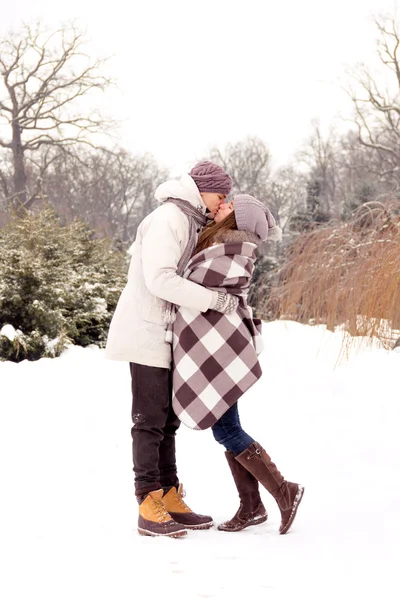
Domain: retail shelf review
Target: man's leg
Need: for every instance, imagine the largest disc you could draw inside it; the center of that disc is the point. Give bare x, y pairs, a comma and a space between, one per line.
167, 456
173, 491
150, 409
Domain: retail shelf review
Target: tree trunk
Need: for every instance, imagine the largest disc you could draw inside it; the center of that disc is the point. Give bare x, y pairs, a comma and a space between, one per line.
19, 199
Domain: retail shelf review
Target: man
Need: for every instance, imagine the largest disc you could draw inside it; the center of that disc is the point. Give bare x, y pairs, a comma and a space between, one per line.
164, 244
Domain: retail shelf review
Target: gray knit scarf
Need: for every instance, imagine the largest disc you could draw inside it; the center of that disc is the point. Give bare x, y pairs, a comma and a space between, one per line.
195, 218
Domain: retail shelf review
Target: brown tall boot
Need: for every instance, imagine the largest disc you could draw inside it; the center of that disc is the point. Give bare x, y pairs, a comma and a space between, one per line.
251, 510
288, 495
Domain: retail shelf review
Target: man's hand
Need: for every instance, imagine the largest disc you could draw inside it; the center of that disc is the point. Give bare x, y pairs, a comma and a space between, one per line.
226, 303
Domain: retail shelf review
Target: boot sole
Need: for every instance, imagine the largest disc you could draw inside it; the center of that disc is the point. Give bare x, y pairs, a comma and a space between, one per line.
256, 521
176, 534
201, 526
296, 503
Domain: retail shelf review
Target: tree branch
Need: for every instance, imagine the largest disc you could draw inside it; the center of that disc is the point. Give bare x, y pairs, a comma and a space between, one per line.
4, 144
48, 140
4, 107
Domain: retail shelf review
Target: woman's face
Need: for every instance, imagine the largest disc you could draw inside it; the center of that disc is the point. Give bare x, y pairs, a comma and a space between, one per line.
223, 211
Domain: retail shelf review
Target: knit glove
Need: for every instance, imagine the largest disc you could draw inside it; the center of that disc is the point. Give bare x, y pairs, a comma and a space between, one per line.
226, 303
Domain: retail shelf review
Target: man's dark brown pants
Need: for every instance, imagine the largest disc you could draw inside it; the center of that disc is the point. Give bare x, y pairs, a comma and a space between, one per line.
154, 428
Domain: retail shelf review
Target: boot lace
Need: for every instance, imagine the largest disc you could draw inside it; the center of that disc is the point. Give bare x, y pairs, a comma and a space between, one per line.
182, 504
162, 514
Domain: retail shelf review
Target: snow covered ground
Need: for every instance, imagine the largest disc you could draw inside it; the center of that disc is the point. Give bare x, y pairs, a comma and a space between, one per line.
68, 514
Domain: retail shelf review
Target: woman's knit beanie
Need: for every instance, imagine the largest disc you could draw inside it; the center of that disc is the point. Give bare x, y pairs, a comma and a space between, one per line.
252, 215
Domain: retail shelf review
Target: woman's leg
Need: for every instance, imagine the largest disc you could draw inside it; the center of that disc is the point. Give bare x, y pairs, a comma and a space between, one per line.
288, 495
228, 432
252, 457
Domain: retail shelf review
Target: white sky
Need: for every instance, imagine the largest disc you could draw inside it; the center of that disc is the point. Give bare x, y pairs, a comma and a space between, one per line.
193, 74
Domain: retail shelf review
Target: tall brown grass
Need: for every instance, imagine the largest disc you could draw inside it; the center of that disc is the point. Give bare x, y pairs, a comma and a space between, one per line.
346, 274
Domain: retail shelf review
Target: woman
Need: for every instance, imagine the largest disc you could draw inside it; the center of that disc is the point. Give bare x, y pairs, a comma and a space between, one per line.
215, 358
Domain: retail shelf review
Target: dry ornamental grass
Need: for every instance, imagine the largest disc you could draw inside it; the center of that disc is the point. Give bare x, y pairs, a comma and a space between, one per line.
346, 275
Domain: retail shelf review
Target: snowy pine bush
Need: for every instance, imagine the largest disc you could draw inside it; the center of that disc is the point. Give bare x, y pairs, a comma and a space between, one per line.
57, 286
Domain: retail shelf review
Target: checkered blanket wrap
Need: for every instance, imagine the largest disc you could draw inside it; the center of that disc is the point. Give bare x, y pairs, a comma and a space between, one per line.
215, 355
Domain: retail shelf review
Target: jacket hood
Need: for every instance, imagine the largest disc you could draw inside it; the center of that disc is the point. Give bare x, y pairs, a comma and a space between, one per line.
184, 189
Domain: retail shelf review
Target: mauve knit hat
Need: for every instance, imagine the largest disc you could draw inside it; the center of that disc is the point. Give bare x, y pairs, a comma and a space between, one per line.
252, 215
210, 177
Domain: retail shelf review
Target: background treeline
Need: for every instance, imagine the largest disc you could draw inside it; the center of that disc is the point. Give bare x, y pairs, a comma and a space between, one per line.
56, 156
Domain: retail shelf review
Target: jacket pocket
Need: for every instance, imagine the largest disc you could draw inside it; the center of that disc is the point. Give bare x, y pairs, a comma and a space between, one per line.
153, 313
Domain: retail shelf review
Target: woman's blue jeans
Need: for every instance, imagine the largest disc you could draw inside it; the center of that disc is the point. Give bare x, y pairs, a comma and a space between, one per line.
228, 432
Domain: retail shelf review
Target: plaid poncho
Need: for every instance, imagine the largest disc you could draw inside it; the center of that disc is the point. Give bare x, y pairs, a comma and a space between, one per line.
215, 355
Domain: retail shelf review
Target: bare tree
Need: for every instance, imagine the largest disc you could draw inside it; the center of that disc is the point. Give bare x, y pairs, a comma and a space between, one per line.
137, 177
248, 163
377, 105
320, 154
287, 194
359, 174
5, 177
43, 75
112, 191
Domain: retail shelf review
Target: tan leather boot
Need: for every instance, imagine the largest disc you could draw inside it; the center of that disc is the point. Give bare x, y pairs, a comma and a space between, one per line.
251, 510
181, 513
155, 520
288, 495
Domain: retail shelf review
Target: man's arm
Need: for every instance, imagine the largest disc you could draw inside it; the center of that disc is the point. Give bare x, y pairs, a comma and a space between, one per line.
161, 253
